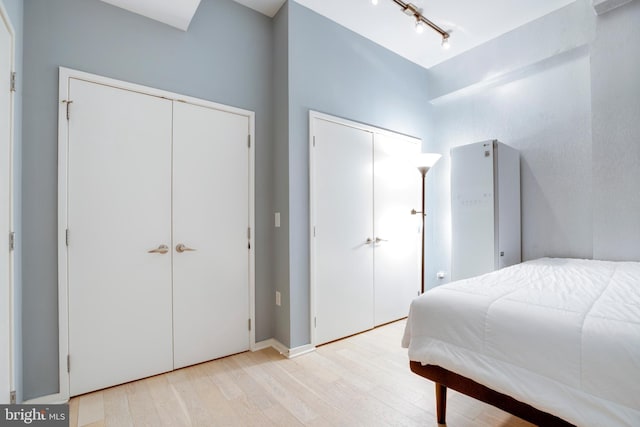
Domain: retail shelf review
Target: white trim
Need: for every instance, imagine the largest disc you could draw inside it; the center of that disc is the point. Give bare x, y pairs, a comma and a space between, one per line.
313, 116
272, 343
50, 399
299, 351
289, 353
279, 347
252, 224
261, 345
11, 285
65, 74
362, 126
63, 296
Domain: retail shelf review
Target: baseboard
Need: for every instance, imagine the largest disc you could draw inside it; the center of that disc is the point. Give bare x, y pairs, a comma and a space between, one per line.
261, 345
50, 399
287, 352
299, 351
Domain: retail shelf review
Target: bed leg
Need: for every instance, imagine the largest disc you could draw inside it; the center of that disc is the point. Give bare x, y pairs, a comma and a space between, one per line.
441, 403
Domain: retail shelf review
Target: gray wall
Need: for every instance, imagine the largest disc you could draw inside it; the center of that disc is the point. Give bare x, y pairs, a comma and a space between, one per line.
15, 10
280, 247
571, 106
338, 72
224, 57
615, 88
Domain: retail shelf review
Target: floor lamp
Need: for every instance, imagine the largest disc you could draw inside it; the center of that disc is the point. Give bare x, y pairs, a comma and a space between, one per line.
424, 162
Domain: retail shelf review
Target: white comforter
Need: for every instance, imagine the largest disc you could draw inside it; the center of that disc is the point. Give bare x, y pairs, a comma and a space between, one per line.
560, 334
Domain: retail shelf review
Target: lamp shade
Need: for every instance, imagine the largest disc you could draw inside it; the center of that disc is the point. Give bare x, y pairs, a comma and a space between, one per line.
424, 161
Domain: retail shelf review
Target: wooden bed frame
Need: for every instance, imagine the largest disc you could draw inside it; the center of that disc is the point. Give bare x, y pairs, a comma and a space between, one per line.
446, 379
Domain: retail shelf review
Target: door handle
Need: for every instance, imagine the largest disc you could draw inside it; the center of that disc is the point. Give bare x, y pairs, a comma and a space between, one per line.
162, 249
180, 248
368, 241
378, 240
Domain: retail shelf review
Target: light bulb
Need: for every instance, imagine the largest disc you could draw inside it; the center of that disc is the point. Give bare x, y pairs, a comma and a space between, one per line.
374, 2
445, 43
419, 27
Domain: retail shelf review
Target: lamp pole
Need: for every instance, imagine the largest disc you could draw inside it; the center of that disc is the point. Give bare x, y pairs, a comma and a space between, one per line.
423, 170
424, 162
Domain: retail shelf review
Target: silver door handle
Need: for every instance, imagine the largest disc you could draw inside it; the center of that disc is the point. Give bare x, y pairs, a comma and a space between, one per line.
378, 240
162, 249
368, 241
180, 248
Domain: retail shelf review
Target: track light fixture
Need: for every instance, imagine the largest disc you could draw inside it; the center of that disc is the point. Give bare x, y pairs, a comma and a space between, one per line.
421, 21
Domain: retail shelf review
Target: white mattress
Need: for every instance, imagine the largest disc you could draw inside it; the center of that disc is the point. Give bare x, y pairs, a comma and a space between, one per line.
562, 335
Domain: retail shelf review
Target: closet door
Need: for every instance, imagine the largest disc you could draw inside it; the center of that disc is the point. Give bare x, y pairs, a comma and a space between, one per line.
6, 49
397, 187
211, 220
119, 215
343, 222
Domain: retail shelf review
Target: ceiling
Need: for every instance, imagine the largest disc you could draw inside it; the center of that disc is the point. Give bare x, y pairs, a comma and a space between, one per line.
171, 12
470, 22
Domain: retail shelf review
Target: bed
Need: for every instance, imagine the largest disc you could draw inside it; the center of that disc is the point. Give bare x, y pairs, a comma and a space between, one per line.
554, 341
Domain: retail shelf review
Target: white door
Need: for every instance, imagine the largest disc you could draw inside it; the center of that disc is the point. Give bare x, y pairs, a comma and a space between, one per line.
119, 209
211, 219
397, 189
6, 51
343, 203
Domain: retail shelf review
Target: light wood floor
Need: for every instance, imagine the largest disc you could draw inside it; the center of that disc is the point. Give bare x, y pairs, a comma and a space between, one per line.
363, 380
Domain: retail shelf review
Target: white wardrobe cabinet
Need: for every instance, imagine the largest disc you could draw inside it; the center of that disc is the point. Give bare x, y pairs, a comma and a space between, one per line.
155, 217
485, 208
365, 244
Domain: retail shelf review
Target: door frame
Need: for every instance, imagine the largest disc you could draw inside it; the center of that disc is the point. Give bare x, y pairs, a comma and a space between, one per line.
65, 75
313, 116
10, 292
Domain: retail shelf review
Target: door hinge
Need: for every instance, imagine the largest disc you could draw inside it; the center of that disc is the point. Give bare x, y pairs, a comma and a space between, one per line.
249, 324
12, 397
249, 141
68, 103
314, 141
249, 233
68, 363
12, 241
66, 237
12, 84
314, 231
315, 322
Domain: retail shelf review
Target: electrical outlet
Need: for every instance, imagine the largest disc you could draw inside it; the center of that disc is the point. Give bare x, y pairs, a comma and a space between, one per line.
278, 300
277, 219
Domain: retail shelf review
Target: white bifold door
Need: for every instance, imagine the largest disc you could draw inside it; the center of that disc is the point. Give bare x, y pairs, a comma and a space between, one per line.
6, 171
365, 243
157, 246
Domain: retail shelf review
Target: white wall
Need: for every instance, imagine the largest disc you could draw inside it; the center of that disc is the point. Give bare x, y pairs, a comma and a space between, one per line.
570, 102
533, 94
615, 87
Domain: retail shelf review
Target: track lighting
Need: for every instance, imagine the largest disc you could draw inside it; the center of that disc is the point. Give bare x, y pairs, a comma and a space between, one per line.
445, 43
421, 21
374, 2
